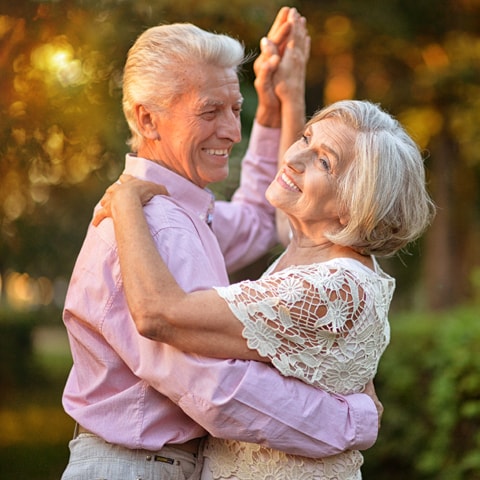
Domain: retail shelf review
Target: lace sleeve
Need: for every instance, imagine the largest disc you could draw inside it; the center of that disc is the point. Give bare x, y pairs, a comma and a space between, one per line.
327, 326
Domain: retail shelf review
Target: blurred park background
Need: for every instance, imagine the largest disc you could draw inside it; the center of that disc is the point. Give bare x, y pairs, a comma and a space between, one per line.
62, 142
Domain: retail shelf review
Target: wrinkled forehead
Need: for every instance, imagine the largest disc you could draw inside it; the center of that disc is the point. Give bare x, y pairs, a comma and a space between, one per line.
208, 80
337, 134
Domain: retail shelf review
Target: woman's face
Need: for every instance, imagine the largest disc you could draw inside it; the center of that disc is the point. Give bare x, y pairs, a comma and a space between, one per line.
306, 186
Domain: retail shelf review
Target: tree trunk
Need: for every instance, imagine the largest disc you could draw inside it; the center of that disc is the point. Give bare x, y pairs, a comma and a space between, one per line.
447, 256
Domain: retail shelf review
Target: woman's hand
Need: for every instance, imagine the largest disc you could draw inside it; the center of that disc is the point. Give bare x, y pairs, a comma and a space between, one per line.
284, 50
294, 58
290, 90
130, 189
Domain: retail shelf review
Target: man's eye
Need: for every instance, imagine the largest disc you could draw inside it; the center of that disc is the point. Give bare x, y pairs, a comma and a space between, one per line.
209, 115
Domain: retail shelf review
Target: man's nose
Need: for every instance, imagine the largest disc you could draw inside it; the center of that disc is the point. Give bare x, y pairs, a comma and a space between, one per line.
230, 128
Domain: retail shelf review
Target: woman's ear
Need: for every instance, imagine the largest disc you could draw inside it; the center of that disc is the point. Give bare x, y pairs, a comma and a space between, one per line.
146, 123
343, 218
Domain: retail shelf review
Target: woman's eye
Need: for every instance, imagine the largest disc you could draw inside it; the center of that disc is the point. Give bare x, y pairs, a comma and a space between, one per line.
324, 163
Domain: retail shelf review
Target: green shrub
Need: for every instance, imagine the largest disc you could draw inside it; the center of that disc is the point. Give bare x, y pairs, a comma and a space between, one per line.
19, 369
429, 384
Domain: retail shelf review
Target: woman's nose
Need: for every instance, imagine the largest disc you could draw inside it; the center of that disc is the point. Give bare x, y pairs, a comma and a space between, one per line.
295, 161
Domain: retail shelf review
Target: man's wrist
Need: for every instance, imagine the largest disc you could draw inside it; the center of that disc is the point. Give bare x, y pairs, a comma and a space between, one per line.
268, 117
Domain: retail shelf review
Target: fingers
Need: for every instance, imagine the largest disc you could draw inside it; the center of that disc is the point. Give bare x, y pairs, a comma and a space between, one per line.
288, 26
279, 22
99, 216
281, 28
370, 391
284, 50
128, 184
264, 68
275, 42
295, 58
299, 37
280, 37
268, 48
270, 56
125, 178
105, 210
142, 187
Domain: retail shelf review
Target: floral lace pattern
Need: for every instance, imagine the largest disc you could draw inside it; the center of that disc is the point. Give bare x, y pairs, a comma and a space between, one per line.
325, 324
229, 459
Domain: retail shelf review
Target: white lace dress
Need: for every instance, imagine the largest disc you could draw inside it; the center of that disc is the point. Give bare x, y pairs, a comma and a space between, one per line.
325, 324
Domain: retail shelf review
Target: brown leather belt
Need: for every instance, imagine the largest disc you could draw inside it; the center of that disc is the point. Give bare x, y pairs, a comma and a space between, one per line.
191, 446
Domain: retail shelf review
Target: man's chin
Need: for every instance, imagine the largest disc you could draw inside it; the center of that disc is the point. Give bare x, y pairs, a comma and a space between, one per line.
219, 176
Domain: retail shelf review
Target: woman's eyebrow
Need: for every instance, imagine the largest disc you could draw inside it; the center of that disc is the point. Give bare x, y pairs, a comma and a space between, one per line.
331, 151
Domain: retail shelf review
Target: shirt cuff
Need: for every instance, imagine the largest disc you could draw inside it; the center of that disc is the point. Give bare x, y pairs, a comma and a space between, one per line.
264, 142
365, 415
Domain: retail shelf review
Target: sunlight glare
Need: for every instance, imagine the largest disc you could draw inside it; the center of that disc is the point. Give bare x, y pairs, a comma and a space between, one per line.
57, 58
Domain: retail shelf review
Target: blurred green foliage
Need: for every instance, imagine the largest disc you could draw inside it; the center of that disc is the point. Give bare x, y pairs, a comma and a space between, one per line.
429, 383
34, 363
62, 132
62, 141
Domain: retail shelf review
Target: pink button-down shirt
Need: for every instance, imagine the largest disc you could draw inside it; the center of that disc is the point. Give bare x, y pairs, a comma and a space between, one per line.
139, 393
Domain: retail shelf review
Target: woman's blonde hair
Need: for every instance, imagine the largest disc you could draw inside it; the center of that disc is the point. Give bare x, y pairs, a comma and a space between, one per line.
382, 191
152, 73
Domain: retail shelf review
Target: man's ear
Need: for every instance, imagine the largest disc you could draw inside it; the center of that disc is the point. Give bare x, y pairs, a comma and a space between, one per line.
146, 123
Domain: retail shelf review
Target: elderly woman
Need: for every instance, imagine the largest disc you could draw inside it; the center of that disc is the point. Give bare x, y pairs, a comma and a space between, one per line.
353, 188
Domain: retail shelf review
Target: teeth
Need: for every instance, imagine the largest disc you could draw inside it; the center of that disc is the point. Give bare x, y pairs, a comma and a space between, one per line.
217, 152
289, 182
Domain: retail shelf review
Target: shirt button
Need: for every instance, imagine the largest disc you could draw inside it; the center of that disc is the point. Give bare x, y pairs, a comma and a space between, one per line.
149, 457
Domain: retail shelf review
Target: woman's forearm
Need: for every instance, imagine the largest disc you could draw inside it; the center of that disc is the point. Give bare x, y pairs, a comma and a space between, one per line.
197, 322
141, 265
293, 123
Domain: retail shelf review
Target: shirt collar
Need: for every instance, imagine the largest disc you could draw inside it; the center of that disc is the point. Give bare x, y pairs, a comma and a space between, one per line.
199, 201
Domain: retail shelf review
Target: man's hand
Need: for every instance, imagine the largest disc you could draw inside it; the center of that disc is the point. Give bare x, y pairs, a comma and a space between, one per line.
272, 48
370, 391
284, 50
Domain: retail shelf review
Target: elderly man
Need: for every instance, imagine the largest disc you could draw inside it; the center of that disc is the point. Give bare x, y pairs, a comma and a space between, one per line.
142, 407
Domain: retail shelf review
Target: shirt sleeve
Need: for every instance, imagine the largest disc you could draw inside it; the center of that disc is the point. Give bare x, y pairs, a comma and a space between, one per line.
245, 226
228, 397
252, 402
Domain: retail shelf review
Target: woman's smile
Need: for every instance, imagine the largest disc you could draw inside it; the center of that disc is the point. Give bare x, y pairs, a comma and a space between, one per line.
287, 182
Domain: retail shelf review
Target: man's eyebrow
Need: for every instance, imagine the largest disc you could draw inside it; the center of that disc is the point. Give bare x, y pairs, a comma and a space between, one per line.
218, 103
211, 103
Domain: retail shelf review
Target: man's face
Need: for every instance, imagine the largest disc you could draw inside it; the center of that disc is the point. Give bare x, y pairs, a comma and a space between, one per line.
198, 131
